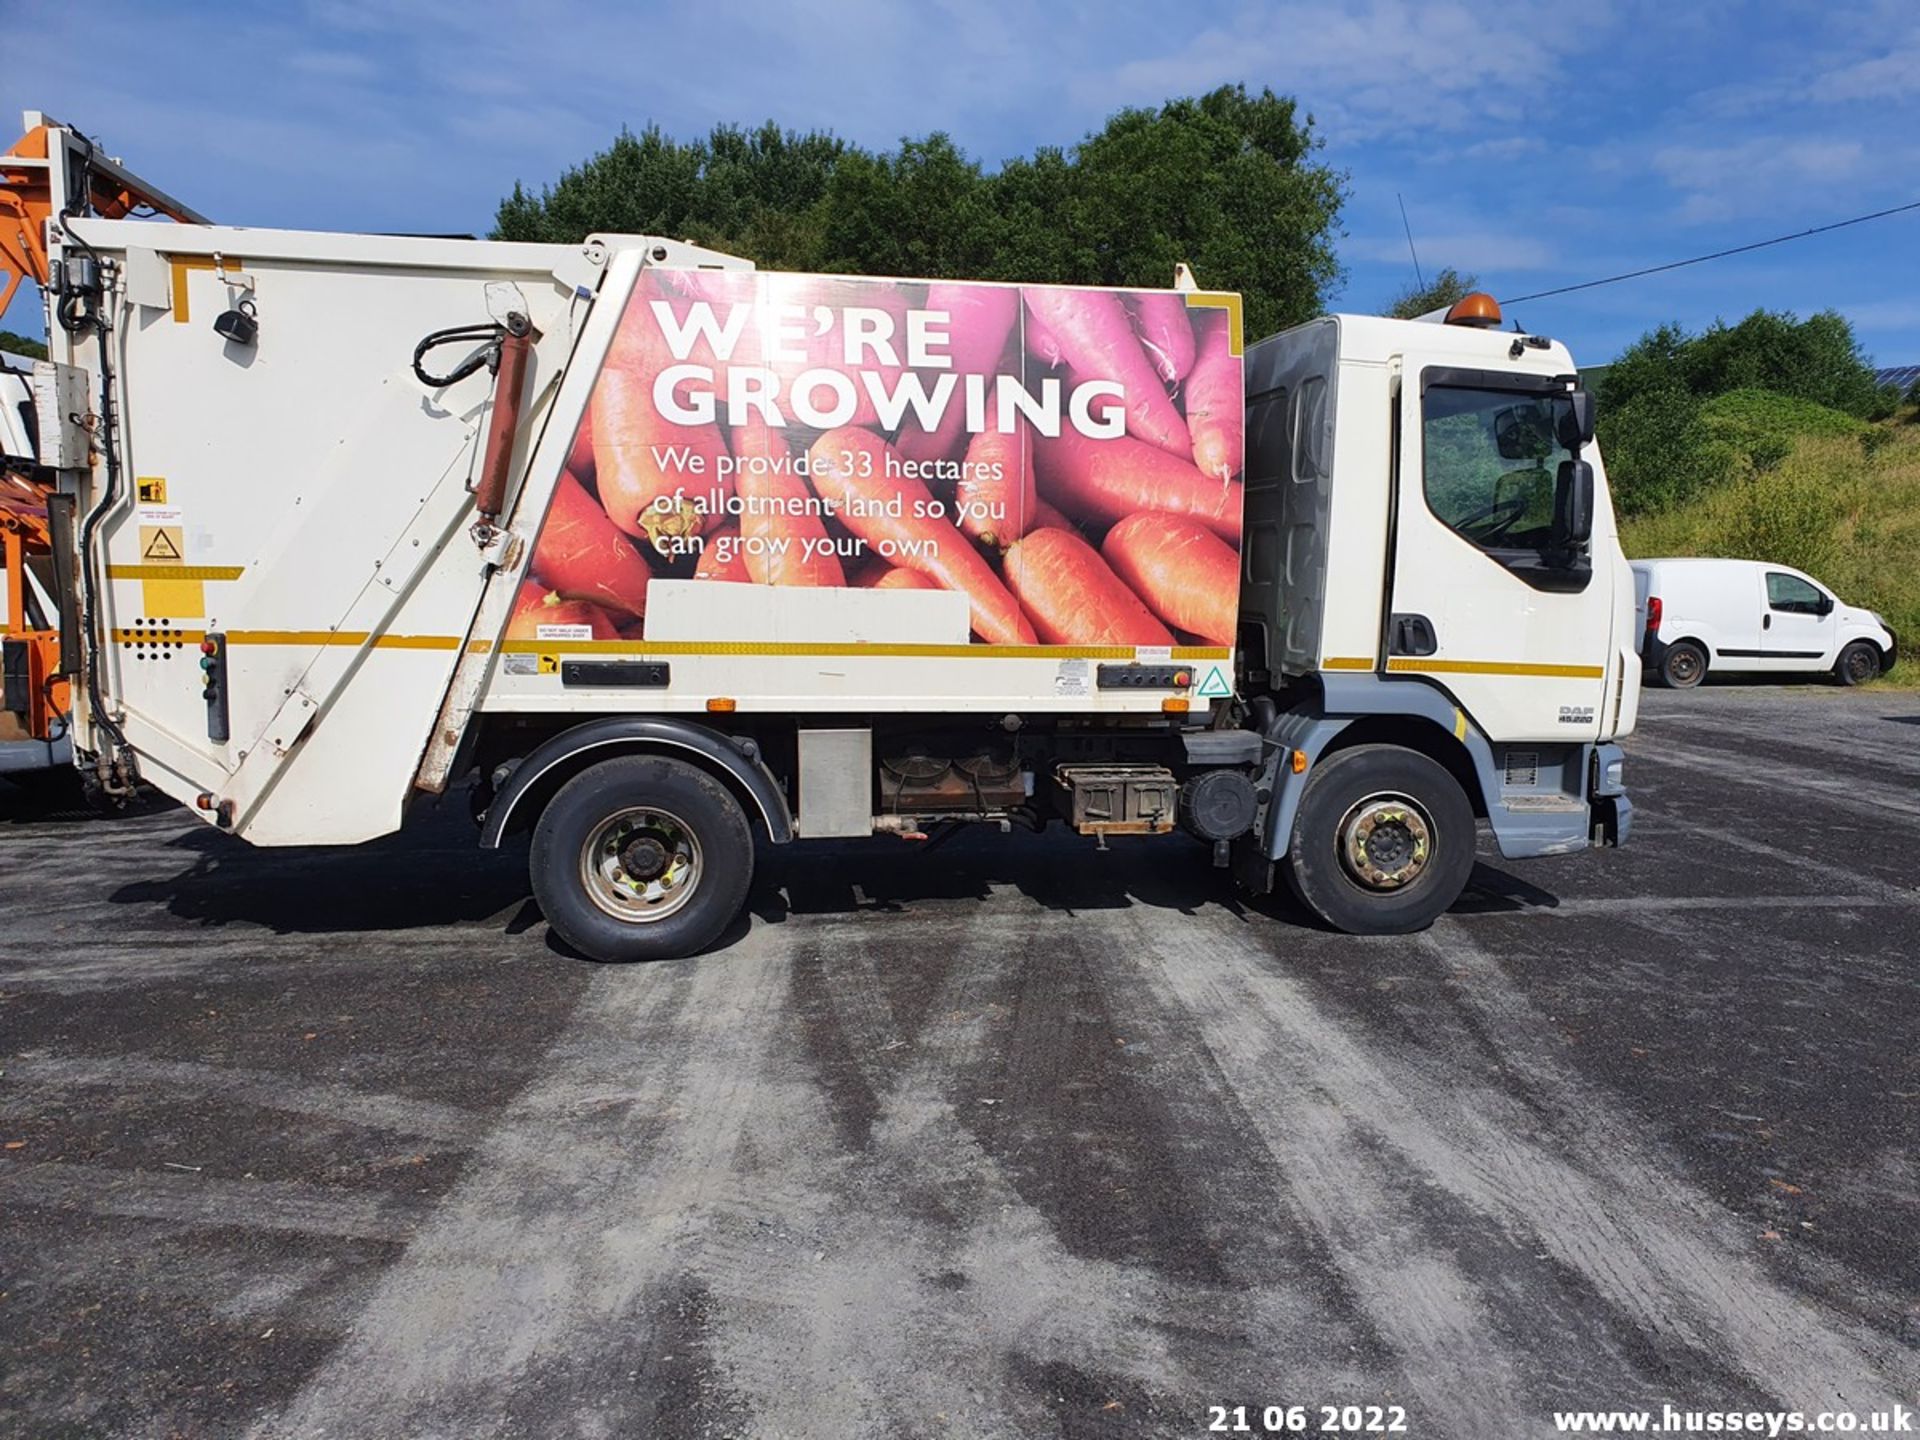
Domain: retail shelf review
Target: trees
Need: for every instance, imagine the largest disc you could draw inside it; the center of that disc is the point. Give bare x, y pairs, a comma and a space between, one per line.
1227, 182
21, 345
1816, 359
1658, 430
1440, 292
752, 191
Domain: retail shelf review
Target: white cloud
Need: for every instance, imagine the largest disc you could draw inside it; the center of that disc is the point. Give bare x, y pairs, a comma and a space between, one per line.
1380, 68
1759, 176
1894, 74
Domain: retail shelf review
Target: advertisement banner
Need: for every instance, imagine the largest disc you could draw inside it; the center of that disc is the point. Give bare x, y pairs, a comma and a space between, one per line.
1065, 462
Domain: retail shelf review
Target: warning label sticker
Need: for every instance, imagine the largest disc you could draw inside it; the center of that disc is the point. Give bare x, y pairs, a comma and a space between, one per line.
1071, 678
151, 489
563, 632
1215, 686
517, 664
162, 545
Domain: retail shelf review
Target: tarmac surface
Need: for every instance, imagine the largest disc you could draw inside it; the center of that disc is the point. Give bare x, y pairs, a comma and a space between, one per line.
1006, 1139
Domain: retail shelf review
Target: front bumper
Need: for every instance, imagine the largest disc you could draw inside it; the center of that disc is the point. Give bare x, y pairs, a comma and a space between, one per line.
1609, 810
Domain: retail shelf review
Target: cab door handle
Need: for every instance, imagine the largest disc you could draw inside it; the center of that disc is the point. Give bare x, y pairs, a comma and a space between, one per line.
1411, 635
1766, 622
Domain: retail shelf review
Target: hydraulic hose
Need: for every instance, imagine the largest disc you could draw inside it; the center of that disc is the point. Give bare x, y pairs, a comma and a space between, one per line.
76, 315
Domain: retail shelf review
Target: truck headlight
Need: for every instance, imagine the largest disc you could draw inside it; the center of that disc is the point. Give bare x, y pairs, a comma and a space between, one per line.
1615, 773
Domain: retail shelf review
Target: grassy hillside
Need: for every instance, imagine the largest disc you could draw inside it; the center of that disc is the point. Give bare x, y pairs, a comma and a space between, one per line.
1842, 503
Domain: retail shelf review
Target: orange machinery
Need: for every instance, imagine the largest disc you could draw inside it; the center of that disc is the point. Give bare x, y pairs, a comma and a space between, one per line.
36, 695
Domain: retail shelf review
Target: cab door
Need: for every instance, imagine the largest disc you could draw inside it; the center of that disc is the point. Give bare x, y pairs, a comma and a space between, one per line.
1484, 599
1797, 629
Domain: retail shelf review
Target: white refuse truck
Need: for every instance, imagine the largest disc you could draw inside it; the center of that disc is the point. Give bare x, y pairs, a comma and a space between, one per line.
671, 557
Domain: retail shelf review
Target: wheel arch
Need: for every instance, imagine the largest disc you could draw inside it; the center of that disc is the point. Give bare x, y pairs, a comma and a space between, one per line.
1414, 714
734, 761
1419, 734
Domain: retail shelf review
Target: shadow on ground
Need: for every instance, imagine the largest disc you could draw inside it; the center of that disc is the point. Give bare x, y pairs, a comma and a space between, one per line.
432, 873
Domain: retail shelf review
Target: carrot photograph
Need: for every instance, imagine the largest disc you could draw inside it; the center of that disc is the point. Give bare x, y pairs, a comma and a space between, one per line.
720, 558
1186, 574
789, 539
1096, 339
994, 497
655, 477
1074, 598
851, 469
582, 555
535, 606
1216, 414
1107, 480
1165, 332
1069, 539
981, 317
799, 323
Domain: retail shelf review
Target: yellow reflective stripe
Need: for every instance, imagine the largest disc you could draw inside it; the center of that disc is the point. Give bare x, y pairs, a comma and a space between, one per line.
352, 638
809, 647
682, 647
175, 572
1348, 662
1228, 301
1404, 664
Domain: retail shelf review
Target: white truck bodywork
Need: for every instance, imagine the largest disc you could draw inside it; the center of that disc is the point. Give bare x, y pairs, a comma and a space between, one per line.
303, 505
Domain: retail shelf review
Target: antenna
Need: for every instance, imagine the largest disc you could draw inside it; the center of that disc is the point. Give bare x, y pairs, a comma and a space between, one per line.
1410, 250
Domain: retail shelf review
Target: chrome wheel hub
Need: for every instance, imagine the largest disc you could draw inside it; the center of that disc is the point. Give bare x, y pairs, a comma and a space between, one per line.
641, 864
1385, 842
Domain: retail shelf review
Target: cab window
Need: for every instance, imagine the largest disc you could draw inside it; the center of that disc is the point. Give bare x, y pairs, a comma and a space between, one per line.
1794, 595
1491, 458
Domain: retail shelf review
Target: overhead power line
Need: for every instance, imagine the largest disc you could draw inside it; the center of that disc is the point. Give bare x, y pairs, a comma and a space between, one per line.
1716, 255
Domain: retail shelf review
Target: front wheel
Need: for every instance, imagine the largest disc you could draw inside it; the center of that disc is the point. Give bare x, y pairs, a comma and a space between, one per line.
640, 858
1383, 841
1858, 663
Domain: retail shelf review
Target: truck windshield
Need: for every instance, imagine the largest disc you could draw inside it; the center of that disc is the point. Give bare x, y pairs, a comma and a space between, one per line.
1491, 460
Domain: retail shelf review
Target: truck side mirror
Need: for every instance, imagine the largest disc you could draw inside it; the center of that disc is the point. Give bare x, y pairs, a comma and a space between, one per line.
1576, 421
1572, 504
1826, 605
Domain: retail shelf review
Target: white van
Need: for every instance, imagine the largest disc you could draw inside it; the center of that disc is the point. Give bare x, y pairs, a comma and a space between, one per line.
1740, 615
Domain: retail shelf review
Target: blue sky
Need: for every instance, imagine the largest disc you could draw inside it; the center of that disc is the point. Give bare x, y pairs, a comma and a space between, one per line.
1536, 144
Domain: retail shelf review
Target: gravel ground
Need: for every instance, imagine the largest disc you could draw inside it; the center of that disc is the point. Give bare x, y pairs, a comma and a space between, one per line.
1008, 1139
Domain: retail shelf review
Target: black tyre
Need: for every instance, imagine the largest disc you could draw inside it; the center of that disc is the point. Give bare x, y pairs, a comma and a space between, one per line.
1383, 841
1858, 663
640, 858
1683, 666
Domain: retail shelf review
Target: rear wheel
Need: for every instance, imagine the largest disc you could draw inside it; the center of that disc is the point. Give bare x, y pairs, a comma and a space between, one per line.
1383, 841
1858, 663
640, 858
1683, 666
